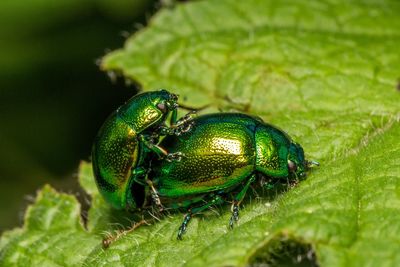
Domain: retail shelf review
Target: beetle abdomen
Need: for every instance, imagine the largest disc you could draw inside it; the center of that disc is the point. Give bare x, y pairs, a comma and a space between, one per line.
218, 153
115, 151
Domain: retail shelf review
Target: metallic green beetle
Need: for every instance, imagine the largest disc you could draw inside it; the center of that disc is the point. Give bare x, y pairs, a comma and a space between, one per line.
127, 136
221, 154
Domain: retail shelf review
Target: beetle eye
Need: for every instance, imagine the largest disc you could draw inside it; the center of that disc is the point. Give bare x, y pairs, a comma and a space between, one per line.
292, 166
162, 107
174, 97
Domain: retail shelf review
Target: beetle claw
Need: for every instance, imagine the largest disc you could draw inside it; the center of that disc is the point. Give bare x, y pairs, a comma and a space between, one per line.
157, 201
182, 228
235, 215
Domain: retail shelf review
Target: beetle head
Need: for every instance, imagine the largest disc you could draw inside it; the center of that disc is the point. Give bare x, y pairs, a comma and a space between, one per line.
296, 162
165, 101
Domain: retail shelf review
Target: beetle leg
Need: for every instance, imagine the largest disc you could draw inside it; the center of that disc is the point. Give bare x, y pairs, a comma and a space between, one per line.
182, 125
238, 199
138, 174
235, 214
154, 195
177, 127
153, 147
193, 211
182, 228
185, 119
161, 152
165, 130
174, 116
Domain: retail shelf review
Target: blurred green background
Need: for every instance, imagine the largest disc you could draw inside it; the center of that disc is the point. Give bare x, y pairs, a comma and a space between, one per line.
53, 97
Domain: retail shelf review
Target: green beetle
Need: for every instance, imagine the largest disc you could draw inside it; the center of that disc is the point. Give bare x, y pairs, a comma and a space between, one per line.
220, 156
126, 138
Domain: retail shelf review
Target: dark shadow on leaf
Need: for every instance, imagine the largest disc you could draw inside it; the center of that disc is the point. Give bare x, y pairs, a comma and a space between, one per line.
284, 251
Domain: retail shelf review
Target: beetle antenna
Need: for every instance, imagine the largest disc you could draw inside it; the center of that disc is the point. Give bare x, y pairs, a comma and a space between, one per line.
192, 108
311, 163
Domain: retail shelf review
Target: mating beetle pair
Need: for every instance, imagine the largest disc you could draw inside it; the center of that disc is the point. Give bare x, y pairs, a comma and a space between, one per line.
200, 162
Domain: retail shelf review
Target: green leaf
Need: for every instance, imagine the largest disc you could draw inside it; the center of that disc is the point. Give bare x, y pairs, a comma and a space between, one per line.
324, 71
53, 234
